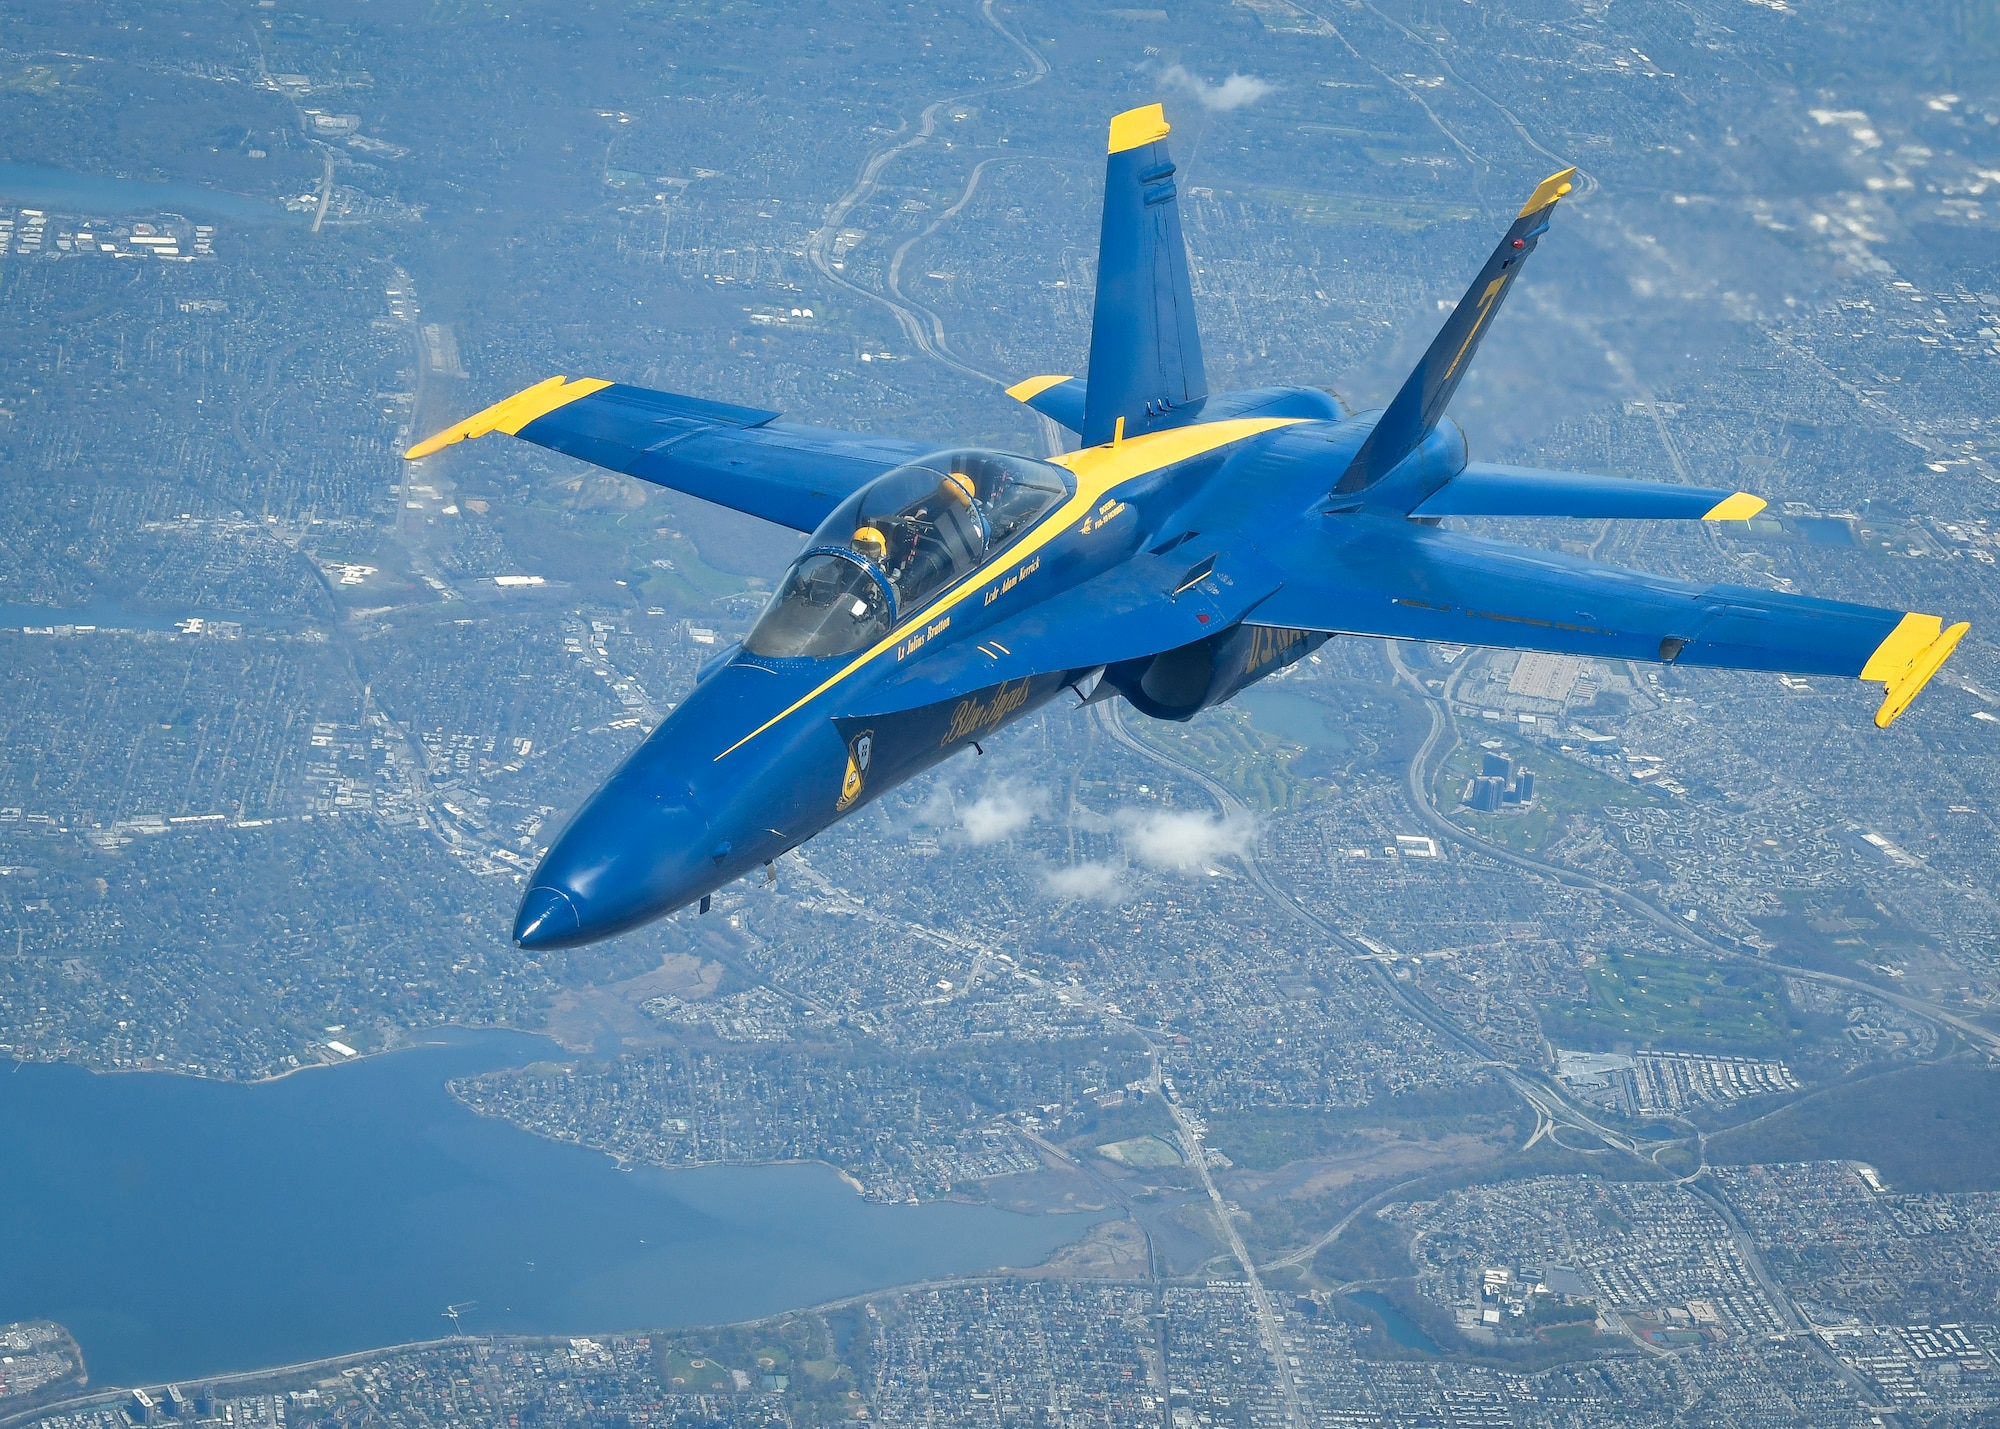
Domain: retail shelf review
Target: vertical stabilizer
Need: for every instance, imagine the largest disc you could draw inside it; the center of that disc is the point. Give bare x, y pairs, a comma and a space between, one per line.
1145, 354
1428, 390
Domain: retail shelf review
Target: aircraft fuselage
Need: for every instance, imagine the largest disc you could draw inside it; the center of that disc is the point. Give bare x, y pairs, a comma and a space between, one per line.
765, 753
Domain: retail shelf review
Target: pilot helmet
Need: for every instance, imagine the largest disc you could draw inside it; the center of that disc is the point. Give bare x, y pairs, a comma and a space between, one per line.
871, 543
958, 486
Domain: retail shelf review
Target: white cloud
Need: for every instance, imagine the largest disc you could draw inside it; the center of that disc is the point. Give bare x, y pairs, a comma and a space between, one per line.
1097, 882
1233, 93
999, 812
1167, 839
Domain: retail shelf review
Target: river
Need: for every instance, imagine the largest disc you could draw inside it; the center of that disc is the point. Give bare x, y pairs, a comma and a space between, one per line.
182, 1227
67, 189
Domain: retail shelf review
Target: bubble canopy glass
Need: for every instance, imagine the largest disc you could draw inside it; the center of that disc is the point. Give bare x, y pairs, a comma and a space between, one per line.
896, 542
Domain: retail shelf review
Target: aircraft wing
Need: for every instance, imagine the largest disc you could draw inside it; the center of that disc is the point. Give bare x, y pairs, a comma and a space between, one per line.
740, 457
1415, 582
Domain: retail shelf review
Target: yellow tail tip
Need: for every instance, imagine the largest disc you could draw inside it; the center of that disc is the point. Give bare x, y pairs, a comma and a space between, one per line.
1138, 126
1029, 388
1547, 192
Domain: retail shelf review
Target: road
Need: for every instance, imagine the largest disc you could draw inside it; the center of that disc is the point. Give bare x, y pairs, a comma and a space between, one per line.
923, 327
1268, 1324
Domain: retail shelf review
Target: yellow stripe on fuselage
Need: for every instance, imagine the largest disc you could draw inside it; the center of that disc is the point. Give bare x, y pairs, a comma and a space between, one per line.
1097, 470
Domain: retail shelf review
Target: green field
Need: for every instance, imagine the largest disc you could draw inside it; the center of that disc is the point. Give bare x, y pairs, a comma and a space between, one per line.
692, 581
1843, 932
1652, 1001
1228, 747
1145, 1153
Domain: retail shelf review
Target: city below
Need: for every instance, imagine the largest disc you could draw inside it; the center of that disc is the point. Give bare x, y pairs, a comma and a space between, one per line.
1431, 1035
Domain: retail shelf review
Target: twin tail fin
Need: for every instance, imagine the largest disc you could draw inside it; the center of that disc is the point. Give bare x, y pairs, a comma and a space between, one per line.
1428, 389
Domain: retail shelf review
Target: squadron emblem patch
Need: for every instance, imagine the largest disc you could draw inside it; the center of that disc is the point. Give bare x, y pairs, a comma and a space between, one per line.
860, 753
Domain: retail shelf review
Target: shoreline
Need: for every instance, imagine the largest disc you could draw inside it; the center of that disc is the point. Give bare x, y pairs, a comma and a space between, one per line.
109, 1393
415, 1040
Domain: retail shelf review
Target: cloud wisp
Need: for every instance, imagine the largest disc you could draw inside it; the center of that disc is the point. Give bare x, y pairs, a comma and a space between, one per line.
1001, 811
1091, 882
1156, 840
1234, 92
1175, 841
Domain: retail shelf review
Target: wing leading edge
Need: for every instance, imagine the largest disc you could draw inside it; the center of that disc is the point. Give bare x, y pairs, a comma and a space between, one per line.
740, 457
1414, 582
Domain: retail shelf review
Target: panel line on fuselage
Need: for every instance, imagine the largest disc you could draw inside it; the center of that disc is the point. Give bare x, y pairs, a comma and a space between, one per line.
1098, 471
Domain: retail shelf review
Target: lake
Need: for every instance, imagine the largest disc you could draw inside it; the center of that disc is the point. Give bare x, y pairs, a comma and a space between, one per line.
66, 189
182, 1227
1401, 1328
1299, 719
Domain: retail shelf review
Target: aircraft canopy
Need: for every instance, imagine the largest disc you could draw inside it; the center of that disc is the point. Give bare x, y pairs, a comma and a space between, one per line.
896, 542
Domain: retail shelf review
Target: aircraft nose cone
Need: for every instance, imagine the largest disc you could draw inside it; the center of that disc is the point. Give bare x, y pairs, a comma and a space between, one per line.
635, 851
547, 919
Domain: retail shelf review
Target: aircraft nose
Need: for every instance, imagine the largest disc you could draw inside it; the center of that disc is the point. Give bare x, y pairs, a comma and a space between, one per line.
635, 851
547, 919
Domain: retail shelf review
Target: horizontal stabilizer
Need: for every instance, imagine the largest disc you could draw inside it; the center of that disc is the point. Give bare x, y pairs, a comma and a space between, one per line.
1414, 582
1485, 489
1060, 399
739, 457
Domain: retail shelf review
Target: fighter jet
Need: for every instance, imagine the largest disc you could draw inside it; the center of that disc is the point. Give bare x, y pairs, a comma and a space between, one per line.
1194, 543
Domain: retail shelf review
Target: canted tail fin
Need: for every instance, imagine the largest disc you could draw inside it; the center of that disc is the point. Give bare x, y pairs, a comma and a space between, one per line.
1145, 352
1428, 390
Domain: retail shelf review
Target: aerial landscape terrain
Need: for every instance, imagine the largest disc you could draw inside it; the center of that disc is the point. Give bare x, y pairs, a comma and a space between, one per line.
1431, 1036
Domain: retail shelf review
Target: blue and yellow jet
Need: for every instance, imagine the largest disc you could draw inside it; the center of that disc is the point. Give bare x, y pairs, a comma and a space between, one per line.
1196, 543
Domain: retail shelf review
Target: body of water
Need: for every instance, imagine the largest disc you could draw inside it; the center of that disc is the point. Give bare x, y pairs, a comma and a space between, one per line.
43, 187
1298, 718
1401, 1328
182, 1227
104, 614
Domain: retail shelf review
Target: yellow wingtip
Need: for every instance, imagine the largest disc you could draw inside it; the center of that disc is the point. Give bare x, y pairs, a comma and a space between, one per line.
510, 414
1029, 388
1740, 507
1547, 192
1138, 126
1904, 662
1913, 634
434, 443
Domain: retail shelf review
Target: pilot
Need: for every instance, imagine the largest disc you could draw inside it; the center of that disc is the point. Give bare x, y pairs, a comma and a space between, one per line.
872, 544
958, 487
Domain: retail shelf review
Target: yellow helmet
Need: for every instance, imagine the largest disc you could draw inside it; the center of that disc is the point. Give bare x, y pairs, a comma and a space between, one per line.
959, 487
871, 543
